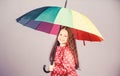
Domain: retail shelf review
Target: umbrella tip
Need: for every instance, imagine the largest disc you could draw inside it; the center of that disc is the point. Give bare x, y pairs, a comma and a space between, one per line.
84, 42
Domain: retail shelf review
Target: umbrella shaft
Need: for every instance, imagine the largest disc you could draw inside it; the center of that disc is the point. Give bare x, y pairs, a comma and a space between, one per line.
65, 4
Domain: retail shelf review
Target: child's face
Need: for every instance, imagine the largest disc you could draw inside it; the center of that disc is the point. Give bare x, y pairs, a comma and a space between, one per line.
63, 37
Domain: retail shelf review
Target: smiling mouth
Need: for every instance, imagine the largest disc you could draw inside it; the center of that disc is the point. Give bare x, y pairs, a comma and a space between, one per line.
61, 40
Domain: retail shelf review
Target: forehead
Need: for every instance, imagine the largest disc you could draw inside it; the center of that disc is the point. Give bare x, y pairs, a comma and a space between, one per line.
63, 31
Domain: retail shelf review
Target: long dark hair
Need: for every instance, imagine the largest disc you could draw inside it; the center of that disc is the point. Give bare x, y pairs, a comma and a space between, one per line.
71, 44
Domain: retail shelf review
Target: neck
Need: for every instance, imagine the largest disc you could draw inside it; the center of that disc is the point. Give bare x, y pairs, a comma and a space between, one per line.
62, 45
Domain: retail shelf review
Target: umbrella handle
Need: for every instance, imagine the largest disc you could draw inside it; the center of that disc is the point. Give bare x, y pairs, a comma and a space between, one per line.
46, 71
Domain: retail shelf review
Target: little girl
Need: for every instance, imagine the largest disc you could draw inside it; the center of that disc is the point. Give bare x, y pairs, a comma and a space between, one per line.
66, 57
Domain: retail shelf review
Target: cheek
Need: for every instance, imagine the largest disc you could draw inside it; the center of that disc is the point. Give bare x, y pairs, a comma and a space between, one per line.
58, 38
66, 39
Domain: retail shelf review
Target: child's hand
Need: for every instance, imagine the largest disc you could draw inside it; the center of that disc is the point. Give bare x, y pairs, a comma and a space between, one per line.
51, 67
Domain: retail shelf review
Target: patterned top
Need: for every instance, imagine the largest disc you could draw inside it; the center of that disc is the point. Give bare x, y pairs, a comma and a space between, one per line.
64, 63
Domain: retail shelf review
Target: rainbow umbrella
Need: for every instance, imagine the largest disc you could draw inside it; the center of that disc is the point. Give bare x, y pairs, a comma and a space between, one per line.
49, 19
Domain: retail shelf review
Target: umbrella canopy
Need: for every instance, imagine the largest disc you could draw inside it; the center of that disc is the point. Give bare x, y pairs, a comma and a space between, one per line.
49, 19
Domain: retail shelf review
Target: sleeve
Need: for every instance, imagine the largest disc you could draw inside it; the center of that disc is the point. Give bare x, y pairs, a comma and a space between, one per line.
67, 64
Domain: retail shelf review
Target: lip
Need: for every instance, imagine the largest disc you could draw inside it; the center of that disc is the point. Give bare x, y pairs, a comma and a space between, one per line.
61, 39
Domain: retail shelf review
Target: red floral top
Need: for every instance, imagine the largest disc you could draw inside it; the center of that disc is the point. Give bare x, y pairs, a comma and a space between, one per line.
64, 63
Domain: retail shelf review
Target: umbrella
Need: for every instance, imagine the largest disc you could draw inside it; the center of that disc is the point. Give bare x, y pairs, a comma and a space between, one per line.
49, 19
